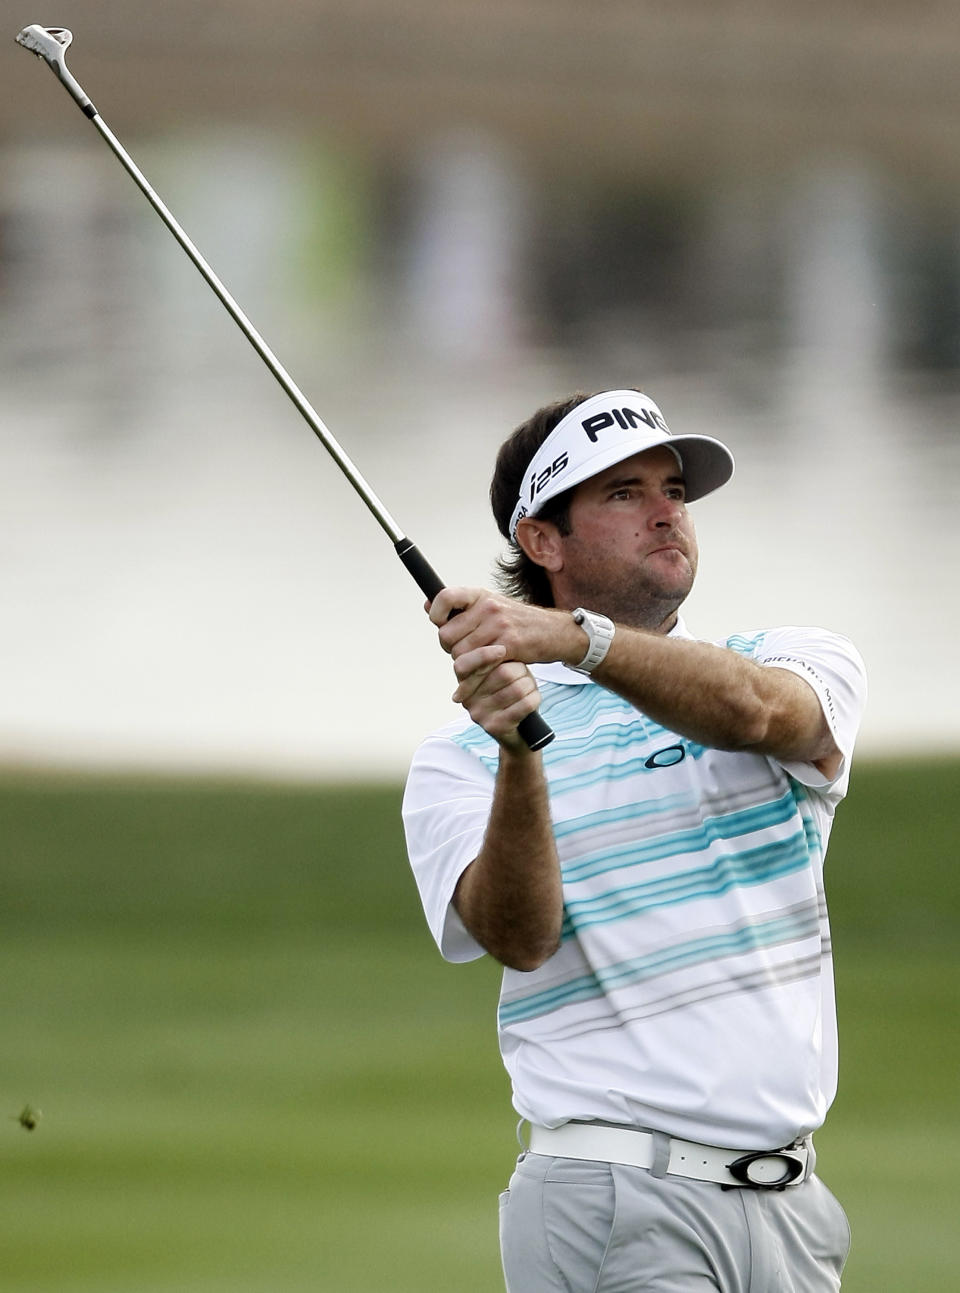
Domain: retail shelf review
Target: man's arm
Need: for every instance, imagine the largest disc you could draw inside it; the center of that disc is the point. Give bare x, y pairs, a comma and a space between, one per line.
510, 897
708, 693
720, 699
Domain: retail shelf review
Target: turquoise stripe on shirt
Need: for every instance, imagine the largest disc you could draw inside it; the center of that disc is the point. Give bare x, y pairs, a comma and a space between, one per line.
696, 839
751, 936
732, 870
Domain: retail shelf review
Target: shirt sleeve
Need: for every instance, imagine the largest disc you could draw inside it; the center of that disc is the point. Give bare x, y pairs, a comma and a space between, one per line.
446, 806
833, 667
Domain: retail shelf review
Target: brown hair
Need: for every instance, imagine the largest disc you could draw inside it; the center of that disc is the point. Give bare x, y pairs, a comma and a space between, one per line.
516, 574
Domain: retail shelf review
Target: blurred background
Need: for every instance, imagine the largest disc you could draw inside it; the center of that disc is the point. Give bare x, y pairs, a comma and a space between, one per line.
440, 216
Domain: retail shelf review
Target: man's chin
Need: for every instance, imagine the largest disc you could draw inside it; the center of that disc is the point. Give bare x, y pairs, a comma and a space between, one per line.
648, 605
669, 573
671, 559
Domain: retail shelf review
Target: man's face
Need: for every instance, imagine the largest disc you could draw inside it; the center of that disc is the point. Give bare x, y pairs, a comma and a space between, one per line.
632, 550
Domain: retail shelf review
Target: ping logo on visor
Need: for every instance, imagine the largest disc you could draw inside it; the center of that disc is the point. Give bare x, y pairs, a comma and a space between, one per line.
627, 419
602, 431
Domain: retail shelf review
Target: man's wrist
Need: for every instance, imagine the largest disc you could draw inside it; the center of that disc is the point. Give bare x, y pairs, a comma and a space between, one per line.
600, 632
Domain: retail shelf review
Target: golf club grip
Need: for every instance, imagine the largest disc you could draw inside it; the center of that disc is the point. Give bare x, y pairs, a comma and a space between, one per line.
535, 731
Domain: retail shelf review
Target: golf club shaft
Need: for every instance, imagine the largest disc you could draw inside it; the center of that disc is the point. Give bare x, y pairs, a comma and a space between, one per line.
50, 44
250, 332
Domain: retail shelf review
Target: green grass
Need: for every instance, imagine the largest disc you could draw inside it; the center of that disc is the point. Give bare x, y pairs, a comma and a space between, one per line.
257, 1076
233, 1112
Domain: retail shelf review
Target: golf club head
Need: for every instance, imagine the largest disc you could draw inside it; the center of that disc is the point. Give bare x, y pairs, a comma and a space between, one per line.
49, 43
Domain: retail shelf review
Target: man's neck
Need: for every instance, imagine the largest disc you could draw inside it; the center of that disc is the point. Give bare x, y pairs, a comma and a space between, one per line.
651, 622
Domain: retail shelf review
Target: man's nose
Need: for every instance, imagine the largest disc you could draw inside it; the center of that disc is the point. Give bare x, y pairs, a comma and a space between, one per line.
666, 513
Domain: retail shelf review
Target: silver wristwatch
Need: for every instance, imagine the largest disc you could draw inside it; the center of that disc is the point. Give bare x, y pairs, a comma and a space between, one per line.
600, 631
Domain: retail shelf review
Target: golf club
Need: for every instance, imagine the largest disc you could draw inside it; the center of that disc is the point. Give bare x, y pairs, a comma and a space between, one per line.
50, 44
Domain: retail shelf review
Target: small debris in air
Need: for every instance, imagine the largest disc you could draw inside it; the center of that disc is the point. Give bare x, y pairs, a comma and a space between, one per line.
28, 1118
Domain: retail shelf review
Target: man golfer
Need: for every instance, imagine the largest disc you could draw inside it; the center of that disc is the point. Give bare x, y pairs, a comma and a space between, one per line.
652, 882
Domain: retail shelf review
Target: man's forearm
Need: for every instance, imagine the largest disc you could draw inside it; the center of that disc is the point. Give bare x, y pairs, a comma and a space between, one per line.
510, 897
705, 692
716, 697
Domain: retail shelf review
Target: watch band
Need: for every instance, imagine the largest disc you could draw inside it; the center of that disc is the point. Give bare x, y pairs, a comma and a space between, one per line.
600, 631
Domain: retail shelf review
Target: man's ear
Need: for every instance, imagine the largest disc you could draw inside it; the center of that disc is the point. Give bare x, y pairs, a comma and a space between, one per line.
542, 542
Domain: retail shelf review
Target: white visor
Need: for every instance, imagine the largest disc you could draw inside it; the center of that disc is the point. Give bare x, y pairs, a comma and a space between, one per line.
604, 430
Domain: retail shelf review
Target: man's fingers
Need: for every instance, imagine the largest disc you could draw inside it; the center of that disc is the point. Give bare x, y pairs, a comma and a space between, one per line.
479, 661
496, 692
450, 602
501, 710
470, 617
491, 673
495, 683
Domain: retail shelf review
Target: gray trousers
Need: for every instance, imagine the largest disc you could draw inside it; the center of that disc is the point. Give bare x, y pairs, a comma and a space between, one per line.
582, 1227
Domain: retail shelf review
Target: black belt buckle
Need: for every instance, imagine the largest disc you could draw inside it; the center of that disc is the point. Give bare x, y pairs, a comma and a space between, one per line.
740, 1170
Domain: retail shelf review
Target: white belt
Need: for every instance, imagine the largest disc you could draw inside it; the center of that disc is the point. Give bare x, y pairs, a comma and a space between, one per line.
762, 1170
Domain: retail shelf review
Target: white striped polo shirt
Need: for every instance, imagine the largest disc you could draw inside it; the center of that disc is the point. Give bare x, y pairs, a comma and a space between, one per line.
693, 989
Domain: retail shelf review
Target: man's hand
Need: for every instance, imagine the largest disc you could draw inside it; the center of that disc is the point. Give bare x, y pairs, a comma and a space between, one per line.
491, 639
469, 618
497, 696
